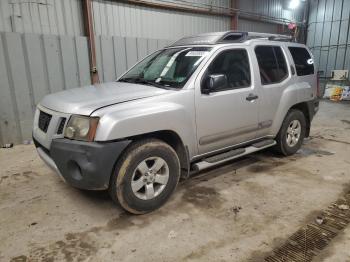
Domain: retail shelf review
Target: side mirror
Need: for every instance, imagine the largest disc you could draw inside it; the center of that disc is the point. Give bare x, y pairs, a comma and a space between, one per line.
214, 82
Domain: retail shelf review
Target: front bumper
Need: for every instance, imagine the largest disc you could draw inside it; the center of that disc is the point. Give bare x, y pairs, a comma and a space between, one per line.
85, 165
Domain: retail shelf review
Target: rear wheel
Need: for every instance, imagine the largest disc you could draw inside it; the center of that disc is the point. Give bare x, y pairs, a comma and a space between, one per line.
145, 176
291, 135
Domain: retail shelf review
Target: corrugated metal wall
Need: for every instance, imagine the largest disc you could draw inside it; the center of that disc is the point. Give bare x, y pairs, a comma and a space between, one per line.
254, 26
328, 34
272, 8
56, 17
116, 54
112, 18
32, 66
119, 19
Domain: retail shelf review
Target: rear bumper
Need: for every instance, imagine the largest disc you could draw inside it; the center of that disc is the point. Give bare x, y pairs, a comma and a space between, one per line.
85, 165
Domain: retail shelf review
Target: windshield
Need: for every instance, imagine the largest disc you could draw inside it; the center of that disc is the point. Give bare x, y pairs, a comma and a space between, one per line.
168, 67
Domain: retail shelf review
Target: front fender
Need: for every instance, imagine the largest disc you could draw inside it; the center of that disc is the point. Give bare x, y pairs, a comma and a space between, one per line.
146, 116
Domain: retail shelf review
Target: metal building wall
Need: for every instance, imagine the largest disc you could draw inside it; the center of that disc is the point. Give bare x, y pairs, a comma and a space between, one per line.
115, 54
272, 8
113, 18
55, 17
32, 66
328, 34
255, 26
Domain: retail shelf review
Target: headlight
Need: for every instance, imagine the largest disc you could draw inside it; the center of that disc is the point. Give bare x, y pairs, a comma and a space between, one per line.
81, 128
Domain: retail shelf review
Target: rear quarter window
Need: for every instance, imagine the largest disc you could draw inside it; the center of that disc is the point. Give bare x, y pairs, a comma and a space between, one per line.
272, 64
303, 61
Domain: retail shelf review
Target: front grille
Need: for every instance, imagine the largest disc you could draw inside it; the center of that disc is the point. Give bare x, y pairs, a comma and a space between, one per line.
44, 121
61, 125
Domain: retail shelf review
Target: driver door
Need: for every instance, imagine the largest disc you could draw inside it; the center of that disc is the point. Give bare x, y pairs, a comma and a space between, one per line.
227, 115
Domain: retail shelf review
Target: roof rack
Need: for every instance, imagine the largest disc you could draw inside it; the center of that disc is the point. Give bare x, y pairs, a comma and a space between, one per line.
229, 37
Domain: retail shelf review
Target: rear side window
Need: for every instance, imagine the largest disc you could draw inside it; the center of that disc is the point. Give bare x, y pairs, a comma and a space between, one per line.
272, 64
302, 60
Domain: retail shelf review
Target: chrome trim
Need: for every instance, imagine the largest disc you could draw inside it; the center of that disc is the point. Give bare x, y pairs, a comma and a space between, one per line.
49, 162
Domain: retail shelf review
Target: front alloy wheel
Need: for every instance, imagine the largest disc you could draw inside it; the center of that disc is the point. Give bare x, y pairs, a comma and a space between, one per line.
150, 178
145, 176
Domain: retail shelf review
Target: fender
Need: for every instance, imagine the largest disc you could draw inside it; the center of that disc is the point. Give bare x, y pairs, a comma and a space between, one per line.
292, 96
149, 115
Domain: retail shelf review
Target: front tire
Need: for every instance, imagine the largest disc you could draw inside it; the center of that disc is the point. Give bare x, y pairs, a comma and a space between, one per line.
291, 135
145, 176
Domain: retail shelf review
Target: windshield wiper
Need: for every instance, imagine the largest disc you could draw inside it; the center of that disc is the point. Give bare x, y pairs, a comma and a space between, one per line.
139, 80
169, 82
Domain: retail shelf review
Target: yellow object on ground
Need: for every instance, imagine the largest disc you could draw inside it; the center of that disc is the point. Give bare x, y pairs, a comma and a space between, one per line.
336, 94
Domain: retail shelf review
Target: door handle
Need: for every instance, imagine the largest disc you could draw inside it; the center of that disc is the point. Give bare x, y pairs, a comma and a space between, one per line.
251, 97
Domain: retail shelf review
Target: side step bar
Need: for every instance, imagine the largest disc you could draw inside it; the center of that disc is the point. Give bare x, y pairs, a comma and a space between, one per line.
233, 154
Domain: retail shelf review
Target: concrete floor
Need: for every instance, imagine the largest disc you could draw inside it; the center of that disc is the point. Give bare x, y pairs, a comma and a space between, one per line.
237, 212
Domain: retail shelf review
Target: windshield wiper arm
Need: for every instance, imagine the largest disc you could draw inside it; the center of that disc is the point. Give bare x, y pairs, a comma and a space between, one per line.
140, 80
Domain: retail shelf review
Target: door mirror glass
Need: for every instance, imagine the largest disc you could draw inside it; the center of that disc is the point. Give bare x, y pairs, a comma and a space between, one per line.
214, 82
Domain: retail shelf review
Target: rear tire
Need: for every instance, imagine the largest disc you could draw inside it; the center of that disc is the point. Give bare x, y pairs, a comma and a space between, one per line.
291, 135
145, 176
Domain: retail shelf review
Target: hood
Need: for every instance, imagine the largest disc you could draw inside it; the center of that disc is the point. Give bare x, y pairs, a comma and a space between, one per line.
85, 100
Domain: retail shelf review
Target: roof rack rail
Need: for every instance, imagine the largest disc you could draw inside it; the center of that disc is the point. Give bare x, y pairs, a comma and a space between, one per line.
228, 37
273, 37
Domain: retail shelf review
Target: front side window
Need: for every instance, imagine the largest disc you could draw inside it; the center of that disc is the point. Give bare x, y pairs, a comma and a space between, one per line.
167, 68
234, 64
272, 64
303, 62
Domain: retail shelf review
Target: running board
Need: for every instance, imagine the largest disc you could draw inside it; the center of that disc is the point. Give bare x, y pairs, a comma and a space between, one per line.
232, 154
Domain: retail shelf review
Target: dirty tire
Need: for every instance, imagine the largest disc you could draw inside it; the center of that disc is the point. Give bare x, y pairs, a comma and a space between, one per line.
282, 146
120, 188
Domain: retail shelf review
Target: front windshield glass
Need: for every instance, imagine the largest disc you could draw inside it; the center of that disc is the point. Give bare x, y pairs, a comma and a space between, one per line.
168, 67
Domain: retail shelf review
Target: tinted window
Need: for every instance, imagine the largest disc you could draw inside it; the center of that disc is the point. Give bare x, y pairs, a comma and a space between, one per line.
272, 64
302, 60
235, 65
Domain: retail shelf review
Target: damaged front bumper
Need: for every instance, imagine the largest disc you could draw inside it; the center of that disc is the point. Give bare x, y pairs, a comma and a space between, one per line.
84, 165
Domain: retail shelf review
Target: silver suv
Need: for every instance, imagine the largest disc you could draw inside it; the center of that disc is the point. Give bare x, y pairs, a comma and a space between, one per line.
200, 102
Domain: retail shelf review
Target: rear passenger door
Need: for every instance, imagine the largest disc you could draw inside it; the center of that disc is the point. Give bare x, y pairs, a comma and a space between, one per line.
274, 79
